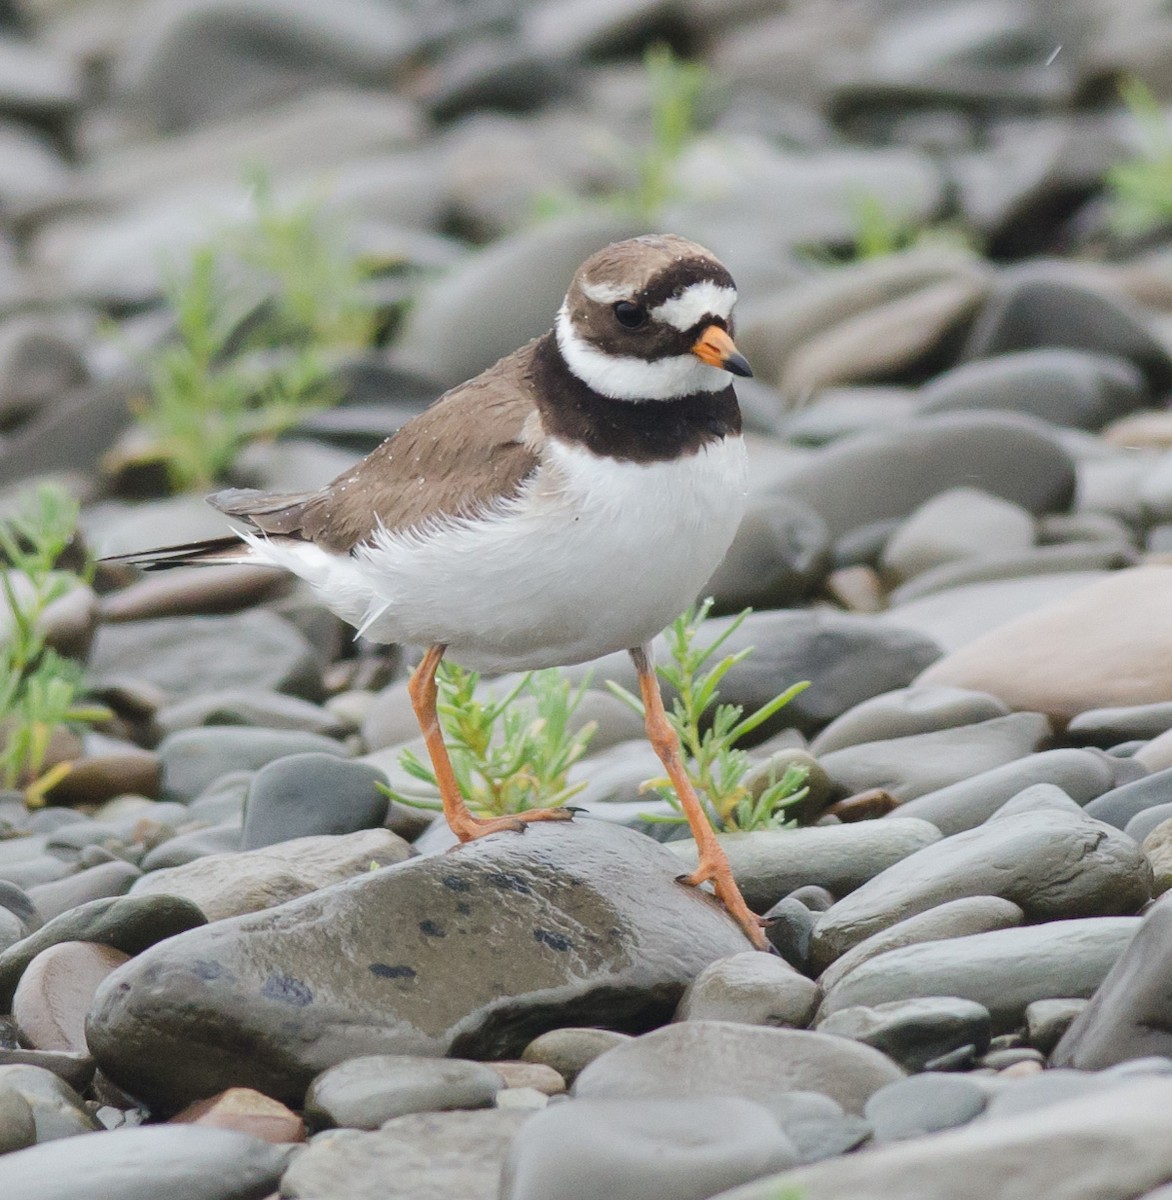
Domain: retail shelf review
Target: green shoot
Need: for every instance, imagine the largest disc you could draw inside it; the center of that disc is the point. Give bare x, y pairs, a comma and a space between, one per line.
238, 370
1140, 189
676, 87
507, 757
714, 764
39, 689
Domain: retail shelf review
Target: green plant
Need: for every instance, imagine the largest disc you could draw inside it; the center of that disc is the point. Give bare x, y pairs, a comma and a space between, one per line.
713, 763
39, 688
676, 87
507, 756
257, 314
1140, 189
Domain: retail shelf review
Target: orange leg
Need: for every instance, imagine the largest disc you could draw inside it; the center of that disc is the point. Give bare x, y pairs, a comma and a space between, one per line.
713, 862
422, 690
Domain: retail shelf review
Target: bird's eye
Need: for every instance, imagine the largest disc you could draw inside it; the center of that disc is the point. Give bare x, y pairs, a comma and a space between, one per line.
630, 316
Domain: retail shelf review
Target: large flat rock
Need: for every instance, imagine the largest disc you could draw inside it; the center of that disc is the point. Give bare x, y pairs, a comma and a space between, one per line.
473, 952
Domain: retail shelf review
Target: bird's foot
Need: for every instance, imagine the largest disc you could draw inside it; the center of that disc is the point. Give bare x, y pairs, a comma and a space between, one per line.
717, 872
470, 828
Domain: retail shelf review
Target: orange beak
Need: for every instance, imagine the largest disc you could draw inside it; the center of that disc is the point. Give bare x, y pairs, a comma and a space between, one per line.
717, 349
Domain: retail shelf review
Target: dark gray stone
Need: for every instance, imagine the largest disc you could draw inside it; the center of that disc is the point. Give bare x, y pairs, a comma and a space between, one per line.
907, 711
1106, 727
18, 1127
1081, 774
181, 1162
128, 923
1051, 865
418, 1157
1063, 386
1050, 305
20, 904
656, 1149
106, 879
777, 559
299, 795
363, 1092
1010, 456
199, 843
920, 763
846, 658
407, 960
1119, 805
1129, 1016
1004, 970
954, 918
720, 1058
915, 1032
188, 656
788, 926
193, 759
769, 864
924, 1104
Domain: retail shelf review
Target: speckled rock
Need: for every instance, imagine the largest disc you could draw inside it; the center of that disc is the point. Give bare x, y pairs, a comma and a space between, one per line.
593, 916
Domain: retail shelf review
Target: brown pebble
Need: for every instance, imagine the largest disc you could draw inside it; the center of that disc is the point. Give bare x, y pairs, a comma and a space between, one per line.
246, 1111
857, 589
864, 806
96, 778
530, 1075
1021, 1070
56, 990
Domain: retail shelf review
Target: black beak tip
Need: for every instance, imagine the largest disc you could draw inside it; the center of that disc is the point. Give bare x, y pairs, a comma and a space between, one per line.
738, 364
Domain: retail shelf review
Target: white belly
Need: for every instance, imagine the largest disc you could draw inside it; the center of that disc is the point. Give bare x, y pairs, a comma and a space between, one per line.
594, 556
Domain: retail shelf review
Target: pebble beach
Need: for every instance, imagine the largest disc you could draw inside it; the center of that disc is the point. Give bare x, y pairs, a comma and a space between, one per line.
232, 968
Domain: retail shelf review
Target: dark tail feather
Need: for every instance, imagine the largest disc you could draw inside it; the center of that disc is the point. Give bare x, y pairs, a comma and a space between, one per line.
214, 552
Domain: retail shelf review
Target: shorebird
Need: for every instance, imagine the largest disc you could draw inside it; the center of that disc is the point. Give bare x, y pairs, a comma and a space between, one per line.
567, 502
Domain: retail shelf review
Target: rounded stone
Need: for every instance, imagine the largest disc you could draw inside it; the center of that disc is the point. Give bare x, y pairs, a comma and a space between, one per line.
1051, 865
656, 1149
300, 795
56, 990
1004, 970
924, 1104
569, 1051
362, 1093
246, 1111
1076, 653
18, 1128
915, 1032
770, 864
954, 918
750, 988
907, 711
720, 1058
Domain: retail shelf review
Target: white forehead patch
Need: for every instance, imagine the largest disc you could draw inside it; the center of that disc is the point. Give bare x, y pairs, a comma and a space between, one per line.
624, 377
604, 293
696, 301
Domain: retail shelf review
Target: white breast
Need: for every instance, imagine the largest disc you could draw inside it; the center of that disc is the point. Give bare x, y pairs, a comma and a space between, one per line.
594, 555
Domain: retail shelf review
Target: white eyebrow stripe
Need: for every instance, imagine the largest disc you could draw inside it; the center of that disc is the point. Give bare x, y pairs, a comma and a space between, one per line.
696, 301
604, 293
